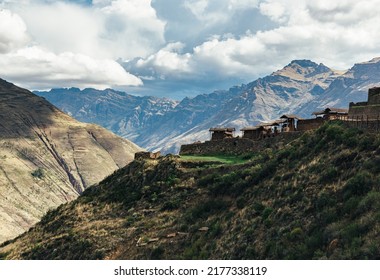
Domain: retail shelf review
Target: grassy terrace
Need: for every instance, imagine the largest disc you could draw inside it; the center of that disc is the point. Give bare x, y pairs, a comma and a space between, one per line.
217, 158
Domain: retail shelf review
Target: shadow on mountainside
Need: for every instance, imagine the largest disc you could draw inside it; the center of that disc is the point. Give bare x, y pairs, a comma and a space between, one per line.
22, 112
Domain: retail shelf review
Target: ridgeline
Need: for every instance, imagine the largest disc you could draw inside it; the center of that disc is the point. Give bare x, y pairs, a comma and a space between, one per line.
316, 198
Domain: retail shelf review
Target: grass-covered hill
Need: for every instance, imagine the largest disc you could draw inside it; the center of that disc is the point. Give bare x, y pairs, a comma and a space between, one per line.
317, 198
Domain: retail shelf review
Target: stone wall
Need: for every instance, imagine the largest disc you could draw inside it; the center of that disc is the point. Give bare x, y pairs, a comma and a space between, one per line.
364, 109
309, 124
371, 125
238, 146
374, 96
372, 111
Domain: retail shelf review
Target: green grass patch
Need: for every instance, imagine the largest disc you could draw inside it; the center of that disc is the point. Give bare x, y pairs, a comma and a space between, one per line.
224, 159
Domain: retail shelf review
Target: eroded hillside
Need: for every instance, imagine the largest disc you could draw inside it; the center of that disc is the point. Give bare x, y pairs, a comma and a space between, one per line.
48, 158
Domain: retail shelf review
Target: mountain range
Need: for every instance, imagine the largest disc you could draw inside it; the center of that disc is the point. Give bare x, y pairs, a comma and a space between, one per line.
48, 158
300, 88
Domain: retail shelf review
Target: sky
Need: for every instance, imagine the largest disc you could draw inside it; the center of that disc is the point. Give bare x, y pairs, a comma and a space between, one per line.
177, 48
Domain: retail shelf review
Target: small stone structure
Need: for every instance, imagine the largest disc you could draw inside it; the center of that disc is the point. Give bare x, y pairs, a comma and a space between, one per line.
253, 132
290, 122
219, 133
331, 113
369, 109
147, 155
263, 130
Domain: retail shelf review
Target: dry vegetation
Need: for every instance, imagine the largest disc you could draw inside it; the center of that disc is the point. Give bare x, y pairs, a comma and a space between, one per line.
317, 198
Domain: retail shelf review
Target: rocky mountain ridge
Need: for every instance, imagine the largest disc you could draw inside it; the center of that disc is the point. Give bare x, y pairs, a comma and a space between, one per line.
48, 158
300, 88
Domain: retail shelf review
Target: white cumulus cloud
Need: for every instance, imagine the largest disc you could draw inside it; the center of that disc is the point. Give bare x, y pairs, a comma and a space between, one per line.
110, 29
12, 31
212, 12
45, 45
37, 68
168, 61
337, 33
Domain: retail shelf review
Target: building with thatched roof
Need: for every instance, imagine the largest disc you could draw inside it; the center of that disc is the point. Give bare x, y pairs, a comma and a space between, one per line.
290, 122
331, 113
219, 133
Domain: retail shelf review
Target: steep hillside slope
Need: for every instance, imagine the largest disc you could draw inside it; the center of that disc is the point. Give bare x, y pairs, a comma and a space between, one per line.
317, 198
48, 158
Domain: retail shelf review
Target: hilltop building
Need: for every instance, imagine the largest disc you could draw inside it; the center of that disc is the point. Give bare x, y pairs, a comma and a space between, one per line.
290, 122
331, 113
219, 133
253, 132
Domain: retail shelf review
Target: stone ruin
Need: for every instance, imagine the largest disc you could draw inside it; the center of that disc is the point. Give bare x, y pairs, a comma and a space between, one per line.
369, 109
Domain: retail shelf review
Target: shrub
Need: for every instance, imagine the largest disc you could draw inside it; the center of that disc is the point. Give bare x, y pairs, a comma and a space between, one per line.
296, 234
266, 212
370, 202
266, 171
205, 209
171, 205
329, 175
258, 207
240, 203
366, 143
329, 215
351, 231
207, 180
360, 184
38, 173
324, 199
335, 132
350, 206
173, 180
373, 165
350, 137
157, 253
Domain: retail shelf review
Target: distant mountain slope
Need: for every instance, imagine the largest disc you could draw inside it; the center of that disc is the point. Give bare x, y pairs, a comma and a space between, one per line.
317, 198
352, 86
301, 87
120, 112
48, 158
168, 125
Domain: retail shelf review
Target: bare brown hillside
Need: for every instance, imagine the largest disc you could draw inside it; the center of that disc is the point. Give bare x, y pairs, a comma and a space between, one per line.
48, 158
